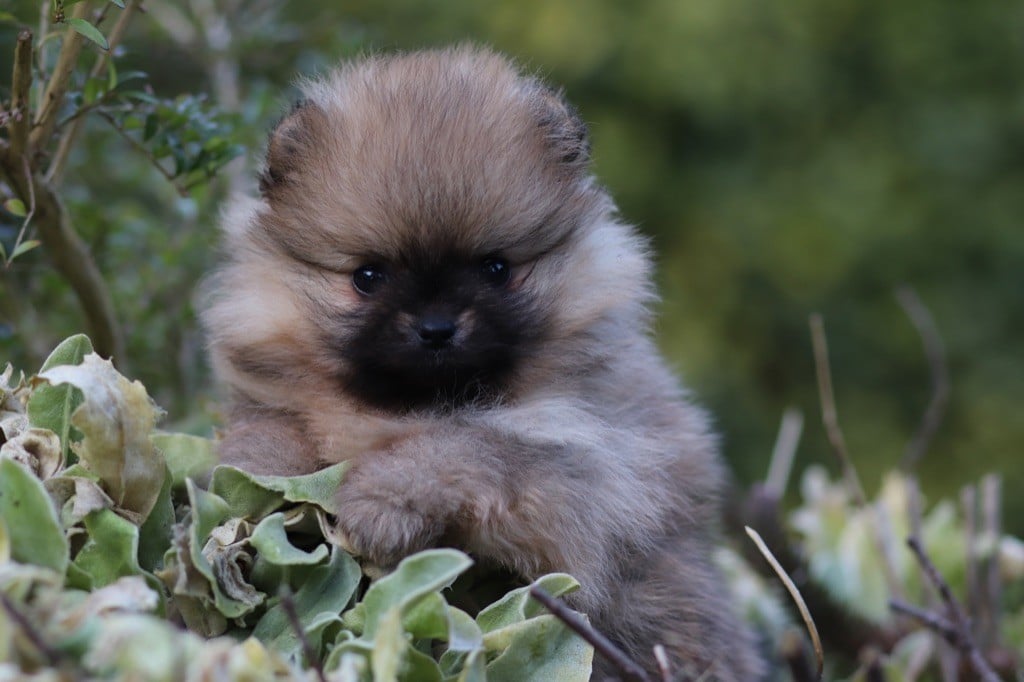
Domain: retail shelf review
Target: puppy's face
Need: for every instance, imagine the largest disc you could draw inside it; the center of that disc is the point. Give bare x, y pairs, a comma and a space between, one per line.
427, 227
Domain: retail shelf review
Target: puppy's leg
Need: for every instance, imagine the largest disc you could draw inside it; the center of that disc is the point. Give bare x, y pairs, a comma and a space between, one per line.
269, 443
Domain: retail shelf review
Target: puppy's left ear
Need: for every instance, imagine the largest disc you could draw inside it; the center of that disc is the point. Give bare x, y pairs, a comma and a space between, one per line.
565, 131
292, 144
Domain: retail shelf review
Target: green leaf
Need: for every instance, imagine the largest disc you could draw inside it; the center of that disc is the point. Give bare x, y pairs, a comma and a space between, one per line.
251, 496
518, 605
187, 456
326, 591
271, 541
416, 577
539, 650
116, 417
34, 531
88, 31
16, 207
156, 534
51, 407
112, 549
24, 247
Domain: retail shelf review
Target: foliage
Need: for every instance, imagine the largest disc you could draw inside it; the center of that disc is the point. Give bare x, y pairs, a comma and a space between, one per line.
106, 543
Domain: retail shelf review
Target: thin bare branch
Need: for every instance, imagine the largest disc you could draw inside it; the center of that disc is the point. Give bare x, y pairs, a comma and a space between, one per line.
28, 629
141, 149
67, 140
990, 591
663, 665
288, 605
830, 420
829, 415
70, 256
31, 206
629, 668
935, 352
784, 451
21, 84
962, 631
812, 630
57, 86
930, 619
794, 653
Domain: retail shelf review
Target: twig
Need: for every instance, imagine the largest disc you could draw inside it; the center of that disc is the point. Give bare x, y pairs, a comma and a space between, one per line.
962, 638
989, 583
930, 619
784, 451
51, 654
663, 665
794, 654
812, 630
21, 83
829, 416
830, 420
288, 605
70, 256
627, 666
56, 88
31, 207
935, 352
56, 169
141, 149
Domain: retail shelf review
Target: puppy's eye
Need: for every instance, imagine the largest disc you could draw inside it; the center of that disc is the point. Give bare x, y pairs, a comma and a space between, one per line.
495, 271
368, 278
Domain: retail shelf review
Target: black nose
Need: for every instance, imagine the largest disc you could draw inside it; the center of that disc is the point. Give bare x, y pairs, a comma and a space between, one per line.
436, 330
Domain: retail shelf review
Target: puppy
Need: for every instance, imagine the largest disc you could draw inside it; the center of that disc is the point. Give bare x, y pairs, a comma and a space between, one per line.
433, 286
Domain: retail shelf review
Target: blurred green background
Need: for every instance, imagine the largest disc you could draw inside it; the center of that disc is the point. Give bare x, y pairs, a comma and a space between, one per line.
785, 157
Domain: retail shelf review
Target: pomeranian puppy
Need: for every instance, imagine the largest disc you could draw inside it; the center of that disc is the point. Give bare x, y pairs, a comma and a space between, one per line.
433, 286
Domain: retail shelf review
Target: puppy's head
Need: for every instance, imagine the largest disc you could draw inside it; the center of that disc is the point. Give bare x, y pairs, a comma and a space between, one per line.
427, 227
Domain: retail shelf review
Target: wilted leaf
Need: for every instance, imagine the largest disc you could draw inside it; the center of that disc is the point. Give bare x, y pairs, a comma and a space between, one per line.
35, 533
130, 594
38, 449
116, 418
51, 407
251, 496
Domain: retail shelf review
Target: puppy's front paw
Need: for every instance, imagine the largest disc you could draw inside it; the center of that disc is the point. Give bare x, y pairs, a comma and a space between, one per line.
381, 519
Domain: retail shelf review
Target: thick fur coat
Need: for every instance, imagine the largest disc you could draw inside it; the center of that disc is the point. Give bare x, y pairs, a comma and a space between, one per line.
433, 286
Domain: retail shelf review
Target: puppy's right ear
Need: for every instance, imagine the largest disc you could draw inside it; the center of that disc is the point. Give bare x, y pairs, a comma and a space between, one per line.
292, 143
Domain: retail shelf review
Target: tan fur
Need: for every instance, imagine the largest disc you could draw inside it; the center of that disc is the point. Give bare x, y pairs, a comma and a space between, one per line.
591, 461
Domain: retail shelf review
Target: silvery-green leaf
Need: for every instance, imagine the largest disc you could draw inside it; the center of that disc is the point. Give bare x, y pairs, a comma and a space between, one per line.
112, 549
33, 529
538, 650
415, 577
51, 407
187, 456
271, 541
251, 496
518, 605
326, 591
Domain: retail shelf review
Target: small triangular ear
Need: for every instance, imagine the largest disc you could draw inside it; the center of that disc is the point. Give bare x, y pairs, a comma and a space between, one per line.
566, 132
291, 142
